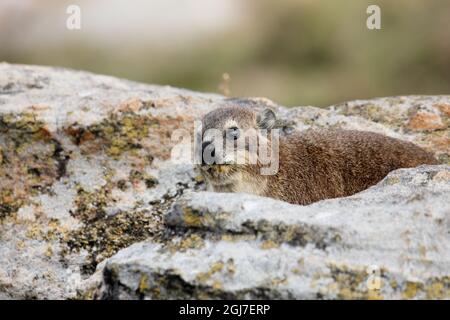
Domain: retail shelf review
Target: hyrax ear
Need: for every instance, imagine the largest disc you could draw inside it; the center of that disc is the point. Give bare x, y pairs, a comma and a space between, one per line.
266, 119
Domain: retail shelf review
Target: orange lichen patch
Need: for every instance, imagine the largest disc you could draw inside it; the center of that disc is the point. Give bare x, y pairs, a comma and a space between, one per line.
442, 176
43, 134
39, 107
441, 143
132, 105
269, 244
22, 175
444, 108
73, 132
160, 141
86, 136
31, 160
425, 121
79, 135
177, 100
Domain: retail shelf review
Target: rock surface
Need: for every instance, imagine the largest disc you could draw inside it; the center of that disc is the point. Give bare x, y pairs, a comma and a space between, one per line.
247, 247
86, 174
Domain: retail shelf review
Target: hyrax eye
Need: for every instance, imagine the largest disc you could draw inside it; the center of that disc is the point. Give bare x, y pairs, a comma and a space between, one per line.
233, 133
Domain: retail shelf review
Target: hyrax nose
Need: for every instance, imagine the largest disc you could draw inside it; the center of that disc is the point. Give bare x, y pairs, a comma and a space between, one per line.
208, 152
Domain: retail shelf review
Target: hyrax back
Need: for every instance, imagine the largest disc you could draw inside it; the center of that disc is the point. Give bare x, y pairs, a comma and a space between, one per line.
313, 164
322, 164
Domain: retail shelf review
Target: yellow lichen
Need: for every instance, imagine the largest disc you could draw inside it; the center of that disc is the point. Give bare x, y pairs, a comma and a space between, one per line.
217, 285
216, 267
393, 284
436, 291
374, 295
103, 235
278, 281
296, 271
191, 219
192, 241
392, 180
199, 178
411, 290
114, 151
20, 245
34, 231
34, 156
49, 252
350, 281
269, 244
205, 276
143, 283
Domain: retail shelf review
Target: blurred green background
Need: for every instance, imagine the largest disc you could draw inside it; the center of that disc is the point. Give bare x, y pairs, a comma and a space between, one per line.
301, 52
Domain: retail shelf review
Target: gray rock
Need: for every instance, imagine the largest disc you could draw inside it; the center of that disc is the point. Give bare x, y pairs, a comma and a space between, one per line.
86, 171
270, 249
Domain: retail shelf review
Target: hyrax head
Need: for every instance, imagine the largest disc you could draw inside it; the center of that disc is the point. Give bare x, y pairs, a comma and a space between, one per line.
231, 138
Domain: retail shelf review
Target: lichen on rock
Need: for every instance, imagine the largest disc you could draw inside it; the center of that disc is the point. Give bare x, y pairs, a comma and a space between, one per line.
31, 160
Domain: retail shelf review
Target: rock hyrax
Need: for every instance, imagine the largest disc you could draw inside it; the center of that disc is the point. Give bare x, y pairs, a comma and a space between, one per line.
312, 165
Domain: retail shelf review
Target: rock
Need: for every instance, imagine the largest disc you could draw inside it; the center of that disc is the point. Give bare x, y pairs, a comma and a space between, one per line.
426, 121
261, 248
86, 174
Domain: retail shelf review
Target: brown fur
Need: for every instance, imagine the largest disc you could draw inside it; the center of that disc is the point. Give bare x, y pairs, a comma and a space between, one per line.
319, 164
